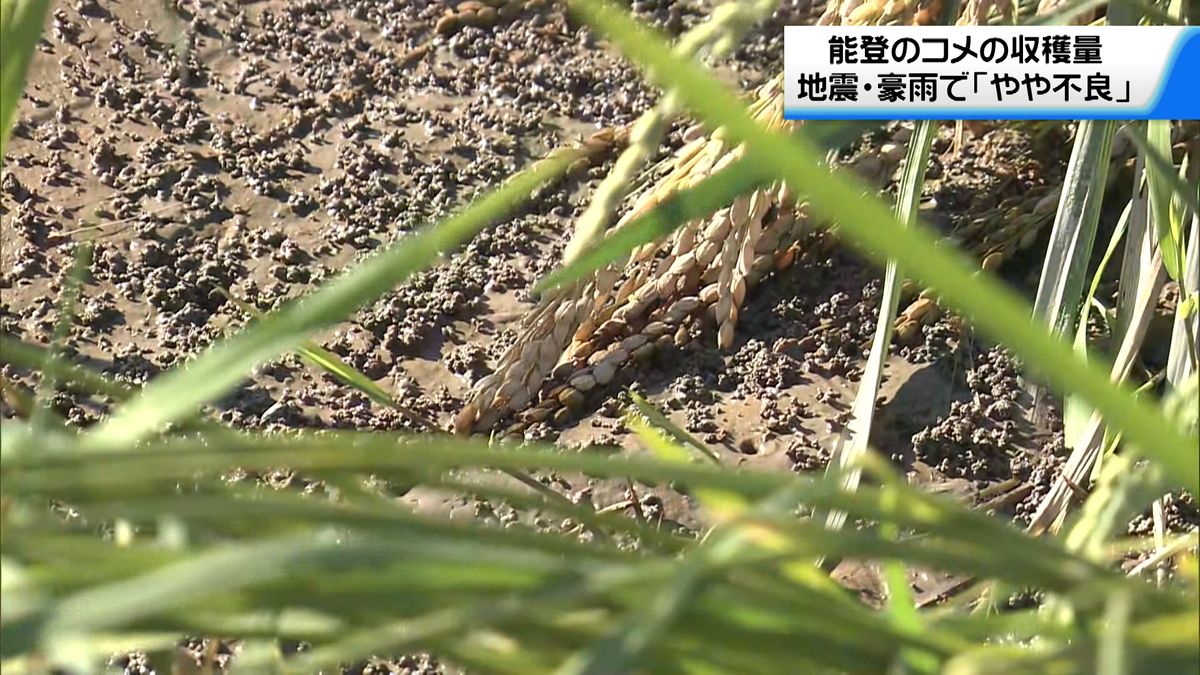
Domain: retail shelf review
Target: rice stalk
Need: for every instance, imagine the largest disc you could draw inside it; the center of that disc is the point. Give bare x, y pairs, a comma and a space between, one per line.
1176, 546
1078, 468
1141, 280
724, 27
1164, 186
703, 270
1075, 223
1075, 412
608, 314
1065, 267
734, 249
544, 333
853, 440
1183, 357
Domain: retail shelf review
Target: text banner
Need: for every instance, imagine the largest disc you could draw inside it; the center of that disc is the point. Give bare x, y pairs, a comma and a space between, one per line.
992, 72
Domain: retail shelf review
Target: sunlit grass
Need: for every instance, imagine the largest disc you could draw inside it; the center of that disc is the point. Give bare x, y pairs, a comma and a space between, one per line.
358, 574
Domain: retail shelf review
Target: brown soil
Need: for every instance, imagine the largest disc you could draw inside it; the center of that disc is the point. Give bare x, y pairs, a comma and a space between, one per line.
261, 147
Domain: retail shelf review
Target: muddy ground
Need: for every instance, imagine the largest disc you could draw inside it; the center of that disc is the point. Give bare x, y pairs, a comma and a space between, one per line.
260, 147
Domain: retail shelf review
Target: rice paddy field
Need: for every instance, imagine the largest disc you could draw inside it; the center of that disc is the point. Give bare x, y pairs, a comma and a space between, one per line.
523, 336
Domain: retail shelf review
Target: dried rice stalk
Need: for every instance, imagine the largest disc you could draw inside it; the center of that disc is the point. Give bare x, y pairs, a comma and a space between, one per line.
705, 268
658, 293
707, 264
697, 252
881, 12
545, 332
995, 237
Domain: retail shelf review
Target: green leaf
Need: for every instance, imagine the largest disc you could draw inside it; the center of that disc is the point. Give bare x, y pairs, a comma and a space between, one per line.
658, 419
1076, 411
331, 363
1163, 183
852, 442
1075, 224
21, 24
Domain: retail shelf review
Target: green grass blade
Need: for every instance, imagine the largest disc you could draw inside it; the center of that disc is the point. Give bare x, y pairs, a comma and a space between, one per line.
68, 303
106, 607
86, 477
903, 613
375, 534
620, 650
1076, 411
24, 355
264, 574
1140, 246
335, 366
1076, 220
1163, 184
1122, 492
659, 420
1182, 404
853, 441
1185, 330
1111, 657
717, 505
177, 394
75, 470
402, 635
331, 363
1075, 224
21, 24
988, 304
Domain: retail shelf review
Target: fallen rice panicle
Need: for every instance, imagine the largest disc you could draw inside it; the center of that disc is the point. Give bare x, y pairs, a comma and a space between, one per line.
577, 340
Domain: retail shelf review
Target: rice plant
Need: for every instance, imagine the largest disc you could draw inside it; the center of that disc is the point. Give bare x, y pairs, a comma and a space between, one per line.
127, 535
